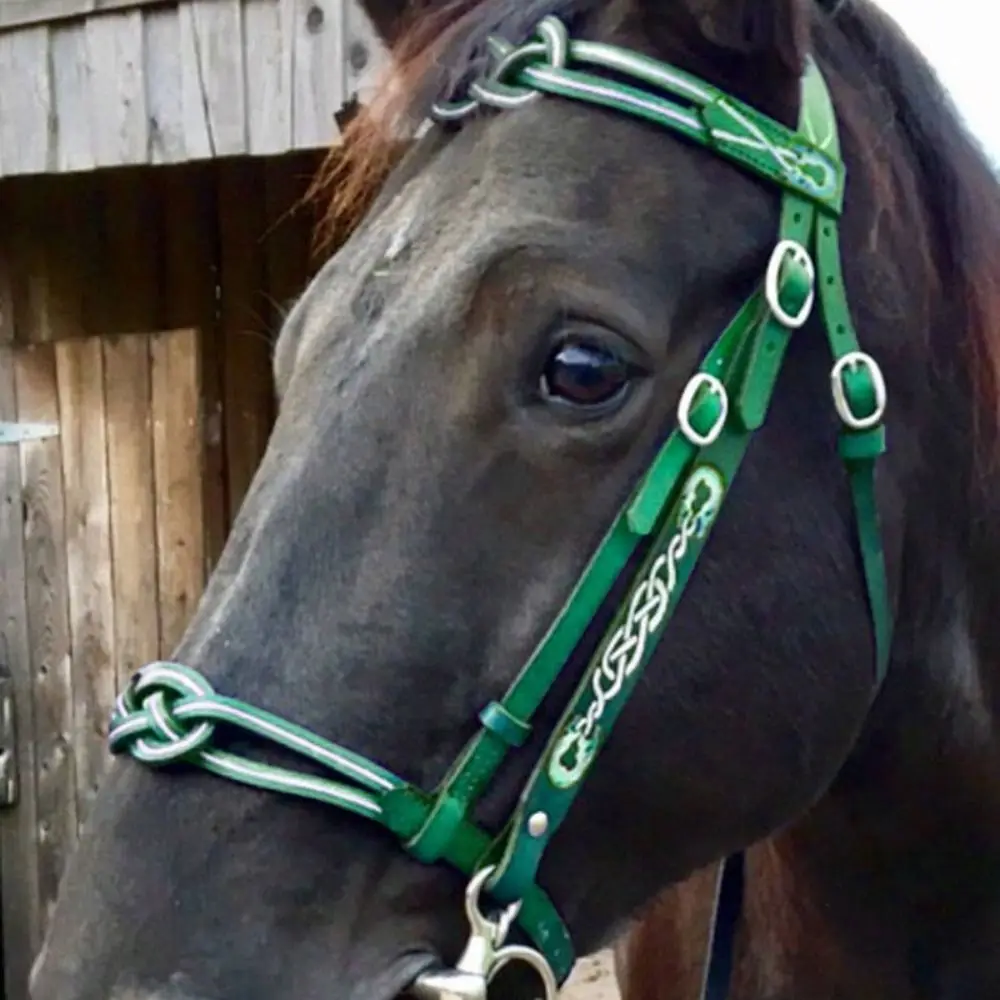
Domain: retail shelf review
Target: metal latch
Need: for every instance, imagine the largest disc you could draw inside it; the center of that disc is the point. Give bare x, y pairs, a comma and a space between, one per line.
8, 743
12, 433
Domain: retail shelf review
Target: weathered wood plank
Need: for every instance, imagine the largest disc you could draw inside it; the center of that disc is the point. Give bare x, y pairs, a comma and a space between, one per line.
48, 619
269, 81
128, 392
177, 457
80, 371
195, 125
72, 99
315, 33
212, 83
118, 114
248, 401
190, 271
20, 915
164, 96
365, 57
18, 13
27, 135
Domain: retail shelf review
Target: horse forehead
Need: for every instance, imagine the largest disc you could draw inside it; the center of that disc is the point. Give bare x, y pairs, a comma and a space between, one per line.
494, 186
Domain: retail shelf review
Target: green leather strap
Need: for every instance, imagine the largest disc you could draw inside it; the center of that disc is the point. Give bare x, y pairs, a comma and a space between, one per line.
746, 361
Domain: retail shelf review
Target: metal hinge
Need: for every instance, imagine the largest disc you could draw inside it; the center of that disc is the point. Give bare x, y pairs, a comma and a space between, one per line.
11, 433
8, 743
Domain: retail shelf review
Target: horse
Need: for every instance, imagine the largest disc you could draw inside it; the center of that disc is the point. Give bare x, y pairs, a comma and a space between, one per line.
676, 321
779, 943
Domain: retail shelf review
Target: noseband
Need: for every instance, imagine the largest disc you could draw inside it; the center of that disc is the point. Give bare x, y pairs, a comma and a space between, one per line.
170, 713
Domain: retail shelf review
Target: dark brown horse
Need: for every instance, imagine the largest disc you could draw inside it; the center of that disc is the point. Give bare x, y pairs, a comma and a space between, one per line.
471, 390
784, 945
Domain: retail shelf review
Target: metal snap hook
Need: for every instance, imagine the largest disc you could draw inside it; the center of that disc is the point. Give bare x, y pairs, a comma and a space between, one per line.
484, 955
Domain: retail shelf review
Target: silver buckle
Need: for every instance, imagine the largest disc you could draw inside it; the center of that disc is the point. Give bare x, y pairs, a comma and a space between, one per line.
687, 400
484, 956
799, 253
854, 360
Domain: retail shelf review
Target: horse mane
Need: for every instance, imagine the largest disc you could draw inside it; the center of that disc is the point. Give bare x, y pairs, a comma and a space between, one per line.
435, 48
959, 192
932, 160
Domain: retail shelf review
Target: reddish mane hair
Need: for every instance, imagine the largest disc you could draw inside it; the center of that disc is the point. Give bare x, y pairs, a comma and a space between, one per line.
373, 142
943, 170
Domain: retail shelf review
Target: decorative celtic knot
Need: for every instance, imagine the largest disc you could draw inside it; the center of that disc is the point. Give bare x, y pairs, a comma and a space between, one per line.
549, 46
143, 722
698, 506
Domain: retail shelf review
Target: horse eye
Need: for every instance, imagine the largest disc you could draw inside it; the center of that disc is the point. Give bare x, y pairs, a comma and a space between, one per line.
583, 371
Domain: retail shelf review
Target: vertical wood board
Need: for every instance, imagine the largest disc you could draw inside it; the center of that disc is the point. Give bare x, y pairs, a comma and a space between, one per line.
190, 272
168, 139
247, 384
212, 77
19, 891
118, 114
269, 78
27, 114
74, 107
315, 48
177, 456
48, 618
80, 372
128, 392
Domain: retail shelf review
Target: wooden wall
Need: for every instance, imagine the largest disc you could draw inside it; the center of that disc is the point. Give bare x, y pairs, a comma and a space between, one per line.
137, 309
103, 83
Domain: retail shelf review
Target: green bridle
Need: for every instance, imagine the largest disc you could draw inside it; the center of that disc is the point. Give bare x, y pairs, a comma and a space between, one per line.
169, 712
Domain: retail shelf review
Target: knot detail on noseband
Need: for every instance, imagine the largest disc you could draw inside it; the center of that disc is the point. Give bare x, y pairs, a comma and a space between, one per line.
144, 724
170, 713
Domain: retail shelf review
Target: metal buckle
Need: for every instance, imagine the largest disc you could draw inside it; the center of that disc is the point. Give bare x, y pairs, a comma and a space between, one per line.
799, 253
687, 400
484, 955
853, 360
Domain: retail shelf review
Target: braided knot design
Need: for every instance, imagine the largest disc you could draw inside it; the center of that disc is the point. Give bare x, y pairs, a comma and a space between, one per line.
548, 47
144, 723
650, 601
648, 605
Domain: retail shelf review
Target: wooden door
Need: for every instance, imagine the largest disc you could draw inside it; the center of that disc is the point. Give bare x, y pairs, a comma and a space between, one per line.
137, 310
101, 538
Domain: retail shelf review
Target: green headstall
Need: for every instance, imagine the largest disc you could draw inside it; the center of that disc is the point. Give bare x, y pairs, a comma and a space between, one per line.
169, 712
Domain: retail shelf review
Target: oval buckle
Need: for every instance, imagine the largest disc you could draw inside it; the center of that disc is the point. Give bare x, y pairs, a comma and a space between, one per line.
771, 289
717, 388
854, 360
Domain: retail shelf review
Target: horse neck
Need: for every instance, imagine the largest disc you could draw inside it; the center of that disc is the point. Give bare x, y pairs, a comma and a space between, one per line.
894, 876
